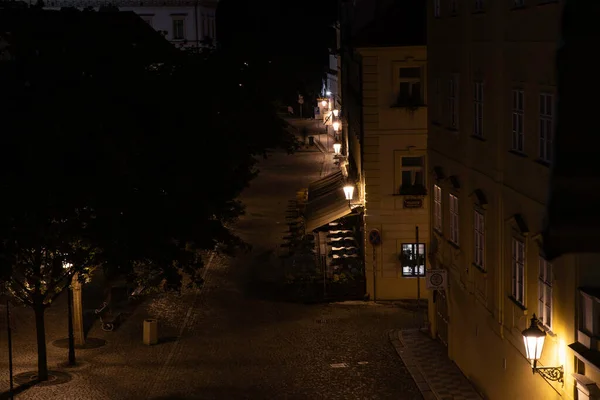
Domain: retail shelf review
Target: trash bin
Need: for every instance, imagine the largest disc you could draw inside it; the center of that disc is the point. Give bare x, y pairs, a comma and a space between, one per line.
150, 331
311, 140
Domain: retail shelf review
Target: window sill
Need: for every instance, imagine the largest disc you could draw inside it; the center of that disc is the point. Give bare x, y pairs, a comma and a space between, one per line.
480, 138
412, 276
547, 330
542, 162
451, 243
518, 153
518, 304
480, 269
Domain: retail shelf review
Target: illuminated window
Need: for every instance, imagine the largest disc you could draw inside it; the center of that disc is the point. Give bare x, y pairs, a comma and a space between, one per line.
413, 264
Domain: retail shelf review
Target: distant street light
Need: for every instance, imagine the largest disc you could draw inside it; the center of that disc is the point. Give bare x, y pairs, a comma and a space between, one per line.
336, 126
336, 112
324, 103
337, 147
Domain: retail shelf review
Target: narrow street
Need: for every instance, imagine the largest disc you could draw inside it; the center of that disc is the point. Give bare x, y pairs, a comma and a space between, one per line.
232, 340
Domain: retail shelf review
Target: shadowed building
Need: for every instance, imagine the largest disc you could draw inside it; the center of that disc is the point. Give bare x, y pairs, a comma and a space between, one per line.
492, 118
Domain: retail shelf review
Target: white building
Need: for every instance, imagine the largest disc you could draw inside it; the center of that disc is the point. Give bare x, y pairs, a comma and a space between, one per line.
186, 23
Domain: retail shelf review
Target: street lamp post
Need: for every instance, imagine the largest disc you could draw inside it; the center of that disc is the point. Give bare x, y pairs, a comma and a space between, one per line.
349, 192
534, 344
337, 147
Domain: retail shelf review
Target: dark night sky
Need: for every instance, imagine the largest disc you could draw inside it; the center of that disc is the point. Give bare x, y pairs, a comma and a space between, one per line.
295, 35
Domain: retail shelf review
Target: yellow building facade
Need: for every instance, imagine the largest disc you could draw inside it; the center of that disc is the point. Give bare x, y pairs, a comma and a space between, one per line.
394, 159
492, 97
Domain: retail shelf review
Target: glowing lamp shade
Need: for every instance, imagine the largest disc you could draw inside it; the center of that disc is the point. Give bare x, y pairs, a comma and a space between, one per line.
336, 126
336, 112
323, 103
337, 147
534, 340
328, 93
349, 192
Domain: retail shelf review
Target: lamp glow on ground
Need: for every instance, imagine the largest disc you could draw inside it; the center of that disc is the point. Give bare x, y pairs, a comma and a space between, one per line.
534, 338
337, 148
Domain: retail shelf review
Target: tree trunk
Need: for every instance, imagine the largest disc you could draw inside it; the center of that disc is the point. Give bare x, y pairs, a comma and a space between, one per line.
77, 312
39, 309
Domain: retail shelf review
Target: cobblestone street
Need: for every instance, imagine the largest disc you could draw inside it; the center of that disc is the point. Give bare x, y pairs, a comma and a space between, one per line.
230, 340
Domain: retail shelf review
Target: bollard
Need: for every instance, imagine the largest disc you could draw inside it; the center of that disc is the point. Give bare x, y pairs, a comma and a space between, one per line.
150, 331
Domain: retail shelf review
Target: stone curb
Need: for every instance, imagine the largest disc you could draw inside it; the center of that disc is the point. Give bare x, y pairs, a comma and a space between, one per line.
406, 355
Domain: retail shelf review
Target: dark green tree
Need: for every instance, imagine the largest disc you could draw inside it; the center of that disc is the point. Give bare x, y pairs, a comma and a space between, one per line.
120, 158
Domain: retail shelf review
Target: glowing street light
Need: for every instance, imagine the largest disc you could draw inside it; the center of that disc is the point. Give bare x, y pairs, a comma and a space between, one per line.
336, 112
337, 148
324, 103
534, 344
349, 192
336, 126
328, 93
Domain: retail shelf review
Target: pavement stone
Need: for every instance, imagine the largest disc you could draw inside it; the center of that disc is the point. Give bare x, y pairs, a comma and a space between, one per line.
231, 340
437, 376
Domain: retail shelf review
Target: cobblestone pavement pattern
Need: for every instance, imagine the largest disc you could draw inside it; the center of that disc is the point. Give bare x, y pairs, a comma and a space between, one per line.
427, 361
229, 341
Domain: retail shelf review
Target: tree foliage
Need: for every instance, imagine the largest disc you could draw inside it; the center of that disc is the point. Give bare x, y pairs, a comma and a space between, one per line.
120, 152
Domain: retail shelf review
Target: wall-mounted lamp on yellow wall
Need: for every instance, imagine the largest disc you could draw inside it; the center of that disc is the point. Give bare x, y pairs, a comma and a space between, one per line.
534, 344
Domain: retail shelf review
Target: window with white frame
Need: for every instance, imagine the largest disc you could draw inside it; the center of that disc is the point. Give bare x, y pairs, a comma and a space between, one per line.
436, 8
479, 238
453, 7
478, 5
545, 293
478, 108
453, 101
178, 29
409, 86
412, 175
518, 270
453, 204
413, 264
518, 112
437, 208
546, 126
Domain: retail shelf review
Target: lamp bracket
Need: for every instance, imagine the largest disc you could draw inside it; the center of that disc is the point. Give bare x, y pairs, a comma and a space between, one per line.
555, 374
